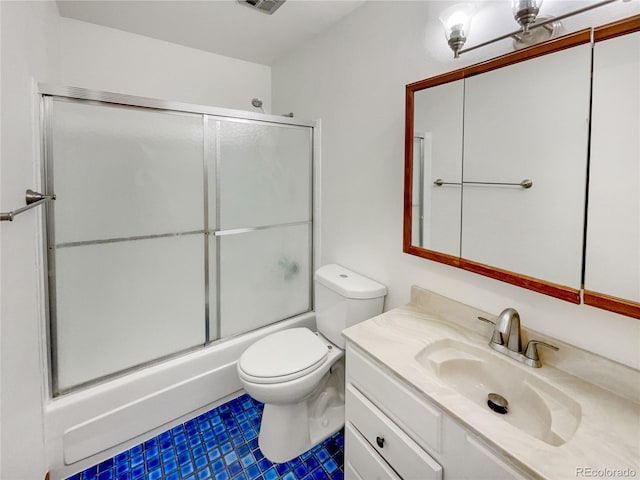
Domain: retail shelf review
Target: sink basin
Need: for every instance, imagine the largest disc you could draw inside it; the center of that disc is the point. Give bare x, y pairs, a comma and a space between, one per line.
536, 407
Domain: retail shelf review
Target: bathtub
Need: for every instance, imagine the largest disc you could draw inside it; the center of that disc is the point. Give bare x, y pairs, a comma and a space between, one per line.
89, 426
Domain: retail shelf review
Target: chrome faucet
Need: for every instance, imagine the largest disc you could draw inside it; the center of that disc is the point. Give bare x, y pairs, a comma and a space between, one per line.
507, 339
508, 324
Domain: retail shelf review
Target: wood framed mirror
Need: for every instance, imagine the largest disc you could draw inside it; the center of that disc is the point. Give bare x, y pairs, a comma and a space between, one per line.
503, 158
496, 166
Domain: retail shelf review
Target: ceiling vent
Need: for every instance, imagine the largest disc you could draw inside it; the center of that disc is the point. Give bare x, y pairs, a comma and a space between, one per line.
265, 6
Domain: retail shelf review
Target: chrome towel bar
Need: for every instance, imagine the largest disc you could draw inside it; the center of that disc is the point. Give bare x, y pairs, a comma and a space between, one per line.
33, 199
439, 182
526, 183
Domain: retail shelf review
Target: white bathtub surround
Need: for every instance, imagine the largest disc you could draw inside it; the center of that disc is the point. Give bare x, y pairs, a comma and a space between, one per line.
89, 426
593, 402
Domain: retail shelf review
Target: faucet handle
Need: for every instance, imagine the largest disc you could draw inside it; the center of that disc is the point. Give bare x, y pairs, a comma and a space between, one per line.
531, 351
487, 320
497, 336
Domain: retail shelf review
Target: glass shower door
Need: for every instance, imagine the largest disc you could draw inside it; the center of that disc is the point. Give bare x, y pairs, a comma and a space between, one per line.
126, 259
170, 230
262, 212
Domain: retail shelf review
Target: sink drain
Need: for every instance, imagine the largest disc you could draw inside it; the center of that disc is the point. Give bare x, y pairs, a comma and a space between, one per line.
498, 403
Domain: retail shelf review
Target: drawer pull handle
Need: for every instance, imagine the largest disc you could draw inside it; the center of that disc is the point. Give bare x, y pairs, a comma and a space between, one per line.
380, 441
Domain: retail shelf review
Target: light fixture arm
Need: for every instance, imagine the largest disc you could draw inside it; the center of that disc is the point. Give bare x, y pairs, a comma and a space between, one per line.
536, 25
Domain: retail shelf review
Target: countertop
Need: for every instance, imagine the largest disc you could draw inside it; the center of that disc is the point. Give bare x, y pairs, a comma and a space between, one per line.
607, 439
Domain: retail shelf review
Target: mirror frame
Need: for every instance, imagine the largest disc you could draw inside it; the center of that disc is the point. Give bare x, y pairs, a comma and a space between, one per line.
592, 298
558, 291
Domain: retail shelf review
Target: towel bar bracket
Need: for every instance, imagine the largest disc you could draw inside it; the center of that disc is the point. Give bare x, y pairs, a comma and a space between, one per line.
32, 199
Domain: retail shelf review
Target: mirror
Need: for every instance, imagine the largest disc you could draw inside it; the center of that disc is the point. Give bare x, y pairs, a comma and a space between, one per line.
612, 260
496, 165
528, 121
437, 154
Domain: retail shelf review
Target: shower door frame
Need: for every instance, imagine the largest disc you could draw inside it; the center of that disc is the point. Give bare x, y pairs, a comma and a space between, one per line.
47, 92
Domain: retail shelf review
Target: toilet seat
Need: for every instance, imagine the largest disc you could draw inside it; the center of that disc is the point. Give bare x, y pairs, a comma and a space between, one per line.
283, 356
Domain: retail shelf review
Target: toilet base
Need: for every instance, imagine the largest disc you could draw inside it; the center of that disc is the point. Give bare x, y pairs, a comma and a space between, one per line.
289, 430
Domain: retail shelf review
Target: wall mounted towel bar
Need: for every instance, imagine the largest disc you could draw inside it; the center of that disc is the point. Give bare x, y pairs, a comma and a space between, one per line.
33, 199
526, 183
439, 182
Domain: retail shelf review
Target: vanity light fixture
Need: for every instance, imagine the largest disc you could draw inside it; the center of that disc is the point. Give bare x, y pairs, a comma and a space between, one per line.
456, 21
525, 12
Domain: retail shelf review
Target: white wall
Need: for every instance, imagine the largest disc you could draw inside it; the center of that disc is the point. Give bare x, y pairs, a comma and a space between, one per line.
102, 58
40, 46
26, 28
352, 77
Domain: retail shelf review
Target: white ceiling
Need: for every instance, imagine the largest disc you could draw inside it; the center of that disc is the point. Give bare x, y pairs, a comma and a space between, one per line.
219, 26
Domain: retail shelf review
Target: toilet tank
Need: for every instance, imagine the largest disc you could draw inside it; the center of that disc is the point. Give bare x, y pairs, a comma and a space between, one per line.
344, 298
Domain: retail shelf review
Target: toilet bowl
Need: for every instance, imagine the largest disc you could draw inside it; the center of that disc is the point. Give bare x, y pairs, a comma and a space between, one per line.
299, 410
299, 374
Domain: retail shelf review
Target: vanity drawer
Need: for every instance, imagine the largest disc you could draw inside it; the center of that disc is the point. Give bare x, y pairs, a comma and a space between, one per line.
399, 451
362, 462
412, 413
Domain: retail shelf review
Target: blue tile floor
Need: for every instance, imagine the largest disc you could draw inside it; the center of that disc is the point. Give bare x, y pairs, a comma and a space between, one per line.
221, 444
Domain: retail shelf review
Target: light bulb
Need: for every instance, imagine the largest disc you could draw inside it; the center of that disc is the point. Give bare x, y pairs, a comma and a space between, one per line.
457, 21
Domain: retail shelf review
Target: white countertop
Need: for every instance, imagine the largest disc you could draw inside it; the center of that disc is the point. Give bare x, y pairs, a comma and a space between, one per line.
608, 394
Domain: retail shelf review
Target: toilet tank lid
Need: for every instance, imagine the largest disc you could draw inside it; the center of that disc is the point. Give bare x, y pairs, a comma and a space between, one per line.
349, 284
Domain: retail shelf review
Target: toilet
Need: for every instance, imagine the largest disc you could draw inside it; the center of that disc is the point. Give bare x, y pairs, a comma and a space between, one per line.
299, 374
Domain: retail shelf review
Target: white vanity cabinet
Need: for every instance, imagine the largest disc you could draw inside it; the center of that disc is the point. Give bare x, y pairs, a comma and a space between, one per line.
393, 433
